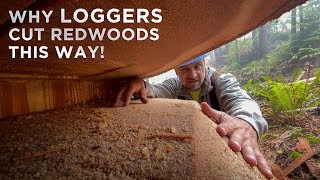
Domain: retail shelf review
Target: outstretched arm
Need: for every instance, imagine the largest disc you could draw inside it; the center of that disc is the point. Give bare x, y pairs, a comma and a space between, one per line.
236, 102
241, 123
242, 138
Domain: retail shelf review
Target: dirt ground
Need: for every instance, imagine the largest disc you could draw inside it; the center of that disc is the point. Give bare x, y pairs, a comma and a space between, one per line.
280, 146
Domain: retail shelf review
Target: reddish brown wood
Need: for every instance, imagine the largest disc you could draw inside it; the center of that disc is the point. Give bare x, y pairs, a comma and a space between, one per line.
304, 145
300, 160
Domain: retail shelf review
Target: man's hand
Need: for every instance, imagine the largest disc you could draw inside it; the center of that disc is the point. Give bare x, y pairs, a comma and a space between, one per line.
122, 95
242, 138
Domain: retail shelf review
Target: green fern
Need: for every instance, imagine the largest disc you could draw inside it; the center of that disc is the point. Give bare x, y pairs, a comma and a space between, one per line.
286, 100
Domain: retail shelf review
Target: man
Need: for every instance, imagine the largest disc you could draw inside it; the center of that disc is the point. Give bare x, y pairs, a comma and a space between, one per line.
240, 122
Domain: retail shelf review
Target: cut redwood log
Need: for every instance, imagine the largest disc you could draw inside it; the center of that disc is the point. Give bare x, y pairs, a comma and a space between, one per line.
164, 139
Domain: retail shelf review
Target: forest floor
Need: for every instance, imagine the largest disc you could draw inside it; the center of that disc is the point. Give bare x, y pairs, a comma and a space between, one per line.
287, 148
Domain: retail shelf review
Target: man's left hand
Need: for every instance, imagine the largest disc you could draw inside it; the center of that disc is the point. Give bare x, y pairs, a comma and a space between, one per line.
242, 138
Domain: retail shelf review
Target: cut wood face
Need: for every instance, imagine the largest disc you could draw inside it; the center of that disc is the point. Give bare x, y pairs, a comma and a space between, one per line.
164, 139
187, 29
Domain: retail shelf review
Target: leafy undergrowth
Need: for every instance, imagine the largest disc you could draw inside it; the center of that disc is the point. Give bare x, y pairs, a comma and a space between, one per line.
287, 102
279, 145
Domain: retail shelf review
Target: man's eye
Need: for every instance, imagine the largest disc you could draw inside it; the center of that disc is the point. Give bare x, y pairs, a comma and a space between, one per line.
184, 69
197, 67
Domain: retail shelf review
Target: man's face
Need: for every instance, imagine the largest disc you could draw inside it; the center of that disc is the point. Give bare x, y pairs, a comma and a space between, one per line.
192, 75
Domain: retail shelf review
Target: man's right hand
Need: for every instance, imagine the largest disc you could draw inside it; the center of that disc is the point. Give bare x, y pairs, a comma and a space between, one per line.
127, 90
240, 136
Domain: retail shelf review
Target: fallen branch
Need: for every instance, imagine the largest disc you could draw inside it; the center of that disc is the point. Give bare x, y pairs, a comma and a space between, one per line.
304, 145
307, 116
300, 160
301, 109
278, 172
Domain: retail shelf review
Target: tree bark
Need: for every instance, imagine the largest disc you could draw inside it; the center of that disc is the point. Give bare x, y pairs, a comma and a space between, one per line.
294, 48
237, 50
254, 44
301, 23
262, 42
293, 23
227, 49
217, 55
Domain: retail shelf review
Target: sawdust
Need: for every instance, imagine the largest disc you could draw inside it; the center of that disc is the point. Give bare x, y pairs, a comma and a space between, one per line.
86, 142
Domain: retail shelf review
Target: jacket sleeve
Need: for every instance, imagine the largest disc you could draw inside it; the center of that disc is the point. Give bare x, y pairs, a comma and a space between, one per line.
236, 102
166, 89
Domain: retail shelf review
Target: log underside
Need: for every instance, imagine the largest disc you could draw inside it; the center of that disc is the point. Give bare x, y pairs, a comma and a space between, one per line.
188, 29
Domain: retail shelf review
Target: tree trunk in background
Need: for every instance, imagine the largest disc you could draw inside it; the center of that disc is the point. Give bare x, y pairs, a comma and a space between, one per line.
318, 14
237, 51
301, 20
293, 23
294, 48
254, 44
217, 55
262, 42
226, 49
221, 55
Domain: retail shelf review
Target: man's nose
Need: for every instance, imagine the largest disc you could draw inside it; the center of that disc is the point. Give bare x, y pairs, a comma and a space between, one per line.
193, 74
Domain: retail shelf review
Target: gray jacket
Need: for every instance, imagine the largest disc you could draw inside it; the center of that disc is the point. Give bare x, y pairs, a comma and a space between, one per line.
232, 99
